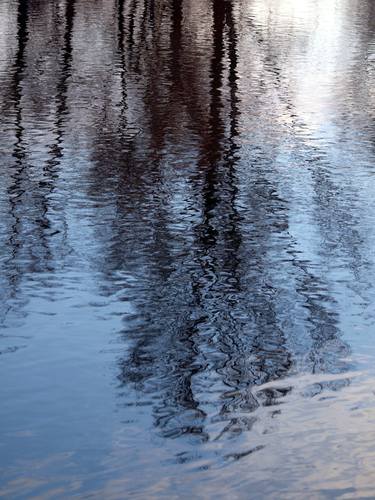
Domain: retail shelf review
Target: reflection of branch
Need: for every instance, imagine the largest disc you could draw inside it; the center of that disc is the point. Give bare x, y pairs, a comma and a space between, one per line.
21, 182
50, 169
122, 49
15, 190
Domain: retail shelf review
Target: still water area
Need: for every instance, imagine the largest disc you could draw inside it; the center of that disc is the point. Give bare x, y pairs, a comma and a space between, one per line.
187, 249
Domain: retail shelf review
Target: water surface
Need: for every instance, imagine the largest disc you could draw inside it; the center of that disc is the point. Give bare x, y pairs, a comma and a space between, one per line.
187, 240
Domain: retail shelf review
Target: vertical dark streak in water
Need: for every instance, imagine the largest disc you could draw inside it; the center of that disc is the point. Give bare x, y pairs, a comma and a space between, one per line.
120, 26
231, 156
51, 168
271, 339
37, 242
211, 148
15, 190
206, 233
180, 396
19, 152
220, 280
131, 37
62, 89
122, 48
175, 41
230, 339
146, 21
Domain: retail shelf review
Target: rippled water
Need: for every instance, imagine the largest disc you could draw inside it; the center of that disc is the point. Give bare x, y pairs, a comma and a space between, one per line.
187, 235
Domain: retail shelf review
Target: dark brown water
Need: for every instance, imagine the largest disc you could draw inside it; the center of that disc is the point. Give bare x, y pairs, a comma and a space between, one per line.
187, 235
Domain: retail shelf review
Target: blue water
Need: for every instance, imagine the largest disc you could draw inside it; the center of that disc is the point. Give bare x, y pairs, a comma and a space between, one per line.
187, 243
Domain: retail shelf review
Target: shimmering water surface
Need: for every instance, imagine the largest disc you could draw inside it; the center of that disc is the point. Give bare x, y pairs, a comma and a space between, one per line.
187, 235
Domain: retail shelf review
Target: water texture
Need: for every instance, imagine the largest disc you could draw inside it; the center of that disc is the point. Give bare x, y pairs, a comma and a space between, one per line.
187, 236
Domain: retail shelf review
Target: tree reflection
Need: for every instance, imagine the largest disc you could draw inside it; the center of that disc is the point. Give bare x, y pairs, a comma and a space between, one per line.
31, 219
207, 321
174, 162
